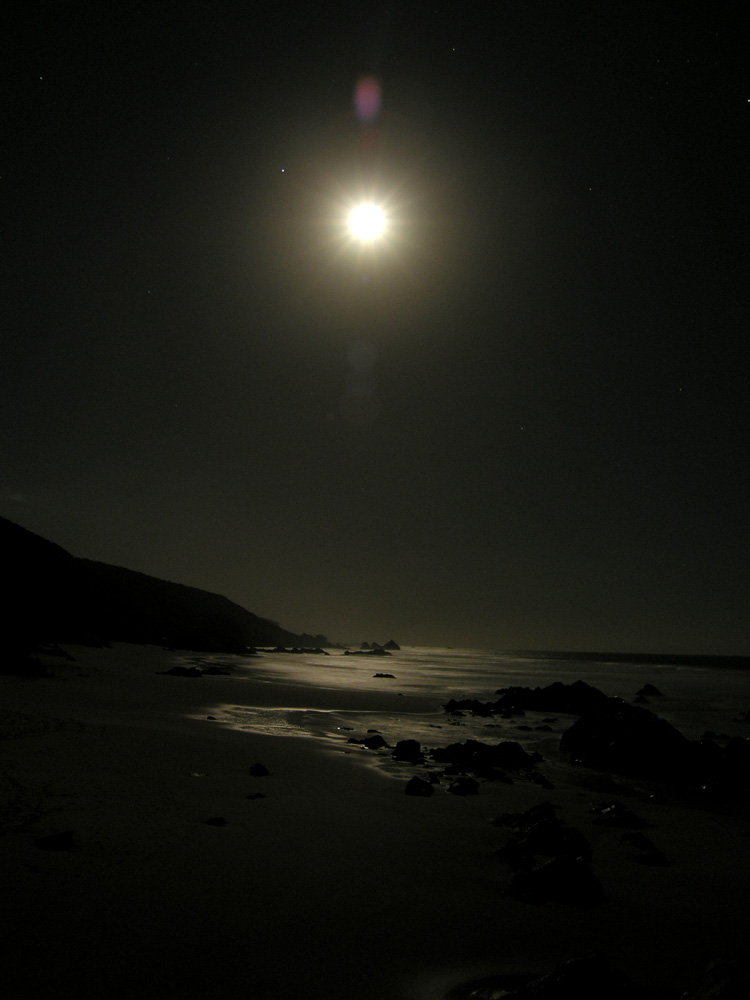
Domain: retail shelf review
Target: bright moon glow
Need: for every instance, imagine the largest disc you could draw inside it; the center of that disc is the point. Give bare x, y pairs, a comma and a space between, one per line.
367, 222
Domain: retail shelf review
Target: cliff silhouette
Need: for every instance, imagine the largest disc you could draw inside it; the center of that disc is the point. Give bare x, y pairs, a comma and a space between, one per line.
57, 597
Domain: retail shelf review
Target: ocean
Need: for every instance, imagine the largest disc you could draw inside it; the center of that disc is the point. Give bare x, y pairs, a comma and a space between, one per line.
340, 698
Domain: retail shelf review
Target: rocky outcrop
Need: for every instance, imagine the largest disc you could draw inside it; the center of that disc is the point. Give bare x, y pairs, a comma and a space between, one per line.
630, 740
485, 760
378, 651
573, 699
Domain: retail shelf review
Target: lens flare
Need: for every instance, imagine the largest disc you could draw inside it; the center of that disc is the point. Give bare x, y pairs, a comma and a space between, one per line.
367, 98
367, 222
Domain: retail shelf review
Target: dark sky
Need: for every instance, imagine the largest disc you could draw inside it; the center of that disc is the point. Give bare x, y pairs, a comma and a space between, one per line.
518, 421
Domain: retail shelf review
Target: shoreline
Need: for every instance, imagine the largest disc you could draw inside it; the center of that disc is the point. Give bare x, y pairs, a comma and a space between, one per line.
329, 881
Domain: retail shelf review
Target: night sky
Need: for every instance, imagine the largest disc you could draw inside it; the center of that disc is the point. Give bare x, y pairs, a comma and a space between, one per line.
518, 420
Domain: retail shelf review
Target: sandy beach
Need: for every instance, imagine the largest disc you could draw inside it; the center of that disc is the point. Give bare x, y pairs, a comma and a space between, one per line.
139, 856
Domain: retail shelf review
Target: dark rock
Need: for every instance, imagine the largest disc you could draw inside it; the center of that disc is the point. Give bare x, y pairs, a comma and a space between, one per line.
464, 786
544, 812
384, 675
644, 851
258, 770
618, 815
483, 758
629, 740
255, 795
563, 880
574, 699
391, 644
473, 705
375, 742
56, 841
181, 672
216, 671
548, 837
728, 776
417, 786
410, 750
367, 652
216, 821
649, 691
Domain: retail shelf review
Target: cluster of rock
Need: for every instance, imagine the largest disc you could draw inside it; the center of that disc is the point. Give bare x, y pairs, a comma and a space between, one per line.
391, 644
298, 649
615, 736
463, 764
633, 741
574, 699
378, 651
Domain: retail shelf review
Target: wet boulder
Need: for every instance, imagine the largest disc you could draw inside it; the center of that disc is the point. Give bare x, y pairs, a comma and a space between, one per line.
409, 750
464, 785
630, 740
375, 742
258, 770
573, 699
419, 787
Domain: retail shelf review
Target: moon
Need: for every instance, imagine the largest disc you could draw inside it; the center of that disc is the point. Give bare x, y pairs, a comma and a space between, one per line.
367, 222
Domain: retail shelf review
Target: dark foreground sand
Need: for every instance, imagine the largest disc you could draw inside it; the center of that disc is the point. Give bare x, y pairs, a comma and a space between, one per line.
334, 884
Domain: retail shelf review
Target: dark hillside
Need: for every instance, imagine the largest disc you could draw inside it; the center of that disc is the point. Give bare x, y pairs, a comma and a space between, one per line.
52, 596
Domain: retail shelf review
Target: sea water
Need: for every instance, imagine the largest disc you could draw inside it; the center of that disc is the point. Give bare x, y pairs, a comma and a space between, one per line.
341, 698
